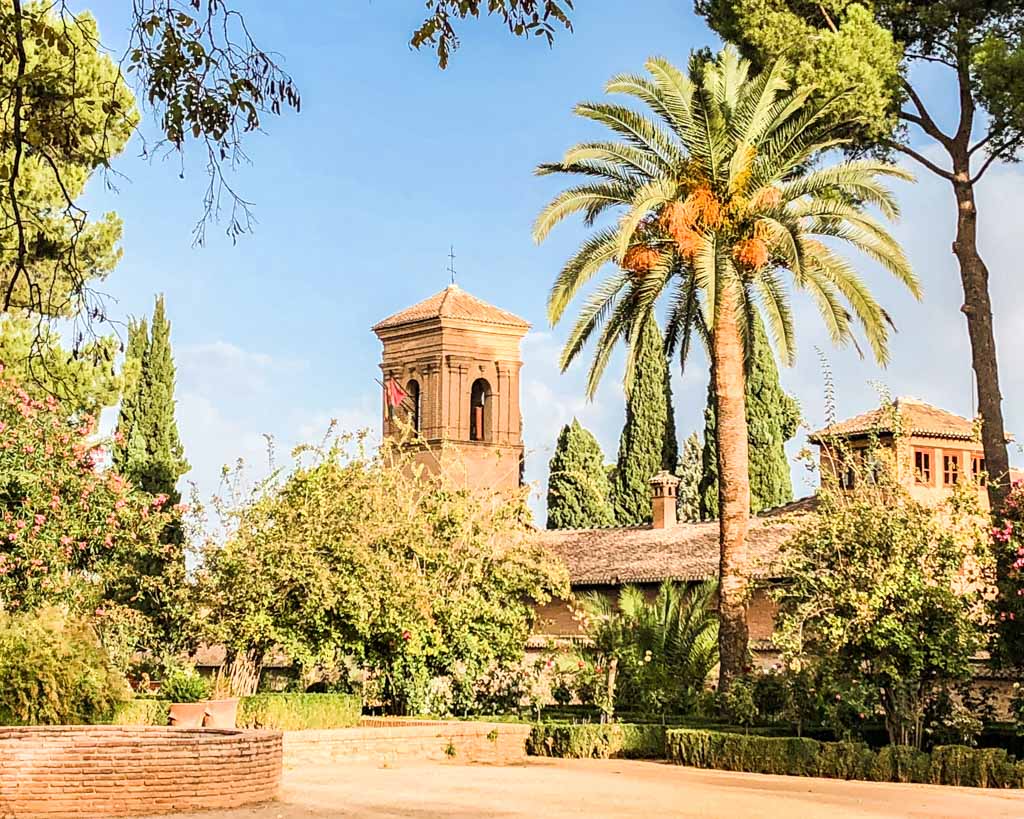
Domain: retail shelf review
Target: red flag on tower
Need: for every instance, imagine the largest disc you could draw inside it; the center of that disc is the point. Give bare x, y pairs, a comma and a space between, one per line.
394, 395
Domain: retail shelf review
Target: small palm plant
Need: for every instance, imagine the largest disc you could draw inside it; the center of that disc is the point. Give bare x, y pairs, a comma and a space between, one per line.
721, 195
655, 653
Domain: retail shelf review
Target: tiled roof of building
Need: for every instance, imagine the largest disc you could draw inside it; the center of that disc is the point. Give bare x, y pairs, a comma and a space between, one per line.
686, 551
907, 415
453, 302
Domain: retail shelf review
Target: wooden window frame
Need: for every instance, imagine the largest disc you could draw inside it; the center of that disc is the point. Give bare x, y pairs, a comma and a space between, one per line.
923, 473
952, 468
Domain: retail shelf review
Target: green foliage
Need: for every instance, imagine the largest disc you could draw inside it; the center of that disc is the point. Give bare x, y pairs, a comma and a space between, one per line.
523, 18
413, 575
737, 703
84, 380
614, 740
296, 712
55, 671
578, 486
149, 451
70, 534
1007, 538
651, 655
885, 592
793, 756
689, 471
182, 683
139, 711
65, 251
772, 420
648, 442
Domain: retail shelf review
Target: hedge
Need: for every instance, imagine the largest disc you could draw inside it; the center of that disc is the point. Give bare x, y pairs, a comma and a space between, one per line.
945, 765
293, 712
595, 741
283, 712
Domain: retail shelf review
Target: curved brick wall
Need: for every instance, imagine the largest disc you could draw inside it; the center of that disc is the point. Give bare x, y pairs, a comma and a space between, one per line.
104, 770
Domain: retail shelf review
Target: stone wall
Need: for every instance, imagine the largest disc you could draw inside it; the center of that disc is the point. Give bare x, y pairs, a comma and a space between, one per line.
388, 740
103, 770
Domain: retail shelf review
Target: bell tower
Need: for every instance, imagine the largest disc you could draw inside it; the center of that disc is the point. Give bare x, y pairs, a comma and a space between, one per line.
457, 359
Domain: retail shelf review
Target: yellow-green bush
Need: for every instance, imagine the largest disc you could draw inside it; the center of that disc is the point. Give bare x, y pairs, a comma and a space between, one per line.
595, 741
945, 765
283, 712
292, 712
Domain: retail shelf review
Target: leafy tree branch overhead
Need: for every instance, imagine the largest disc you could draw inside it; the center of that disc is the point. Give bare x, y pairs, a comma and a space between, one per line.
194, 65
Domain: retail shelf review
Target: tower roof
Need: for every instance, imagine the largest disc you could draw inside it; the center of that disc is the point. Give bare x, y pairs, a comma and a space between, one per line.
455, 303
908, 415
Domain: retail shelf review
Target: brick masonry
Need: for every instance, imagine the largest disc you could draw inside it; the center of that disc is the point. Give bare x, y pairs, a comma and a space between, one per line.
102, 770
388, 740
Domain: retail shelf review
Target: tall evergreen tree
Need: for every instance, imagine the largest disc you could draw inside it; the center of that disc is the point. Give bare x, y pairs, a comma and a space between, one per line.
690, 471
149, 451
772, 419
131, 397
648, 443
578, 487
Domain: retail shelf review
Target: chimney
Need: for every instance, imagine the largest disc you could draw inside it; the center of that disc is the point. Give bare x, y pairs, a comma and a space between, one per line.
664, 486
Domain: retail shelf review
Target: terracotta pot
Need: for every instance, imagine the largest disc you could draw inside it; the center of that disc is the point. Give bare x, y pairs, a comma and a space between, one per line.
221, 713
187, 714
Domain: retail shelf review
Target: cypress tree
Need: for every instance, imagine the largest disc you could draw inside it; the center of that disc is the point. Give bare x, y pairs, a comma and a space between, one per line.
131, 398
689, 472
164, 460
772, 419
648, 442
578, 485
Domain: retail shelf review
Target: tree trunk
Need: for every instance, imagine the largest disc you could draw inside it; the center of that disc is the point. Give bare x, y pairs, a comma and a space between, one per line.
977, 307
733, 487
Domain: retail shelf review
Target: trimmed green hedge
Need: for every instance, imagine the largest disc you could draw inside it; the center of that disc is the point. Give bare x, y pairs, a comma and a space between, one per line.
293, 712
945, 765
595, 741
283, 712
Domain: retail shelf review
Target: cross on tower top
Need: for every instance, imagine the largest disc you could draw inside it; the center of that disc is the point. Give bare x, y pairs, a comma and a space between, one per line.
451, 262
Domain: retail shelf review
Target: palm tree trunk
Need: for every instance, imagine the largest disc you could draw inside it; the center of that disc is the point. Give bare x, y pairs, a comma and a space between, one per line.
733, 486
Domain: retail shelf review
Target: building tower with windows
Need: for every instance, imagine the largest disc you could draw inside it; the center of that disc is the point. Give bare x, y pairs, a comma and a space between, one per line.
457, 360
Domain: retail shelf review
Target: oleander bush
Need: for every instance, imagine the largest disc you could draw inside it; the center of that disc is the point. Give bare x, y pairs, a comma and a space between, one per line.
794, 756
597, 741
291, 712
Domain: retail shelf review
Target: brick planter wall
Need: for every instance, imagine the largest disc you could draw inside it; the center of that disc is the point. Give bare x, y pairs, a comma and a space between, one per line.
387, 740
105, 770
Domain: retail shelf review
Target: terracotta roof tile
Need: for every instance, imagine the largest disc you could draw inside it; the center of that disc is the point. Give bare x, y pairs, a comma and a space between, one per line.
453, 302
910, 416
687, 551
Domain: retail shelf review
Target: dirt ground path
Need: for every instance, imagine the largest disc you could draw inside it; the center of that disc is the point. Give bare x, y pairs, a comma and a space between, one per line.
605, 788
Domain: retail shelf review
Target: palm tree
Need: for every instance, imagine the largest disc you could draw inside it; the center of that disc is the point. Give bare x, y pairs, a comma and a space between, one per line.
722, 192
659, 652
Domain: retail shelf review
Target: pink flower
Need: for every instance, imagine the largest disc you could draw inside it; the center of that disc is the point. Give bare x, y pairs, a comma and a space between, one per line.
406, 635
40, 520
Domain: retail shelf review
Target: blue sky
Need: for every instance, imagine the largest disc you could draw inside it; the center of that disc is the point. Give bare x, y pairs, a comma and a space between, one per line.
392, 160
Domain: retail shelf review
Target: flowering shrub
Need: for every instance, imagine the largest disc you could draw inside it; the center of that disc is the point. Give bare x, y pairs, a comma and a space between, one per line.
1008, 542
416, 577
888, 594
71, 534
